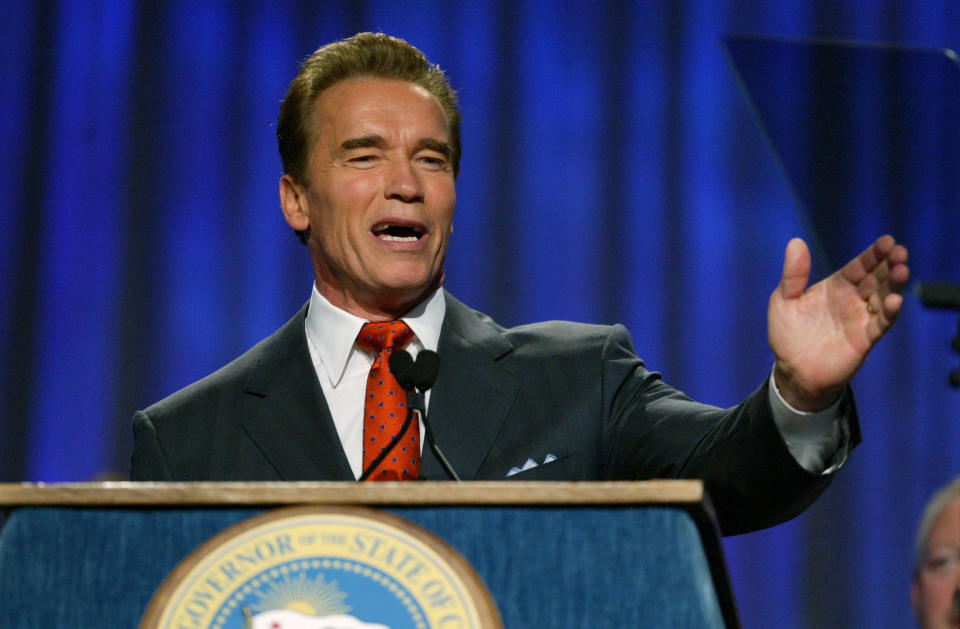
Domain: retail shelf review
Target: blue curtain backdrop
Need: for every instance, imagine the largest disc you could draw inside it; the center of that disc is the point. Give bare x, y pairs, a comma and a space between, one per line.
611, 172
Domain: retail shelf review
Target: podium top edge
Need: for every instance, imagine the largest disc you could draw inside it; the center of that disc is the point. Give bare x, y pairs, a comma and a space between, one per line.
130, 494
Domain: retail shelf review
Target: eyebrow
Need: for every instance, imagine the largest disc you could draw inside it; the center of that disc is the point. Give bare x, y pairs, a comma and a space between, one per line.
376, 141
435, 145
363, 142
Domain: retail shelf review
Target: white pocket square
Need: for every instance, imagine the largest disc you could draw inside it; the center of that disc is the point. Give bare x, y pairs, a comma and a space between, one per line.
530, 464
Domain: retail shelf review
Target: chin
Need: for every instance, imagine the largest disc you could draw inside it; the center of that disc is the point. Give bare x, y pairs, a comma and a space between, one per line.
409, 281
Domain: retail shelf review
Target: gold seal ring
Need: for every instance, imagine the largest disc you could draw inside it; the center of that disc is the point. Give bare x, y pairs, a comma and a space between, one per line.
871, 309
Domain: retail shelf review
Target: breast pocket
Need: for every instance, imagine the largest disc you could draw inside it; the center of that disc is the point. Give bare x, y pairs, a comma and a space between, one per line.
553, 468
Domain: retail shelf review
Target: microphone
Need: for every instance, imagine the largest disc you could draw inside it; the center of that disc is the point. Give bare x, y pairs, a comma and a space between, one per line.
407, 374
419, 375
427, 366
416, 378
938, 295
947, 296
402, 368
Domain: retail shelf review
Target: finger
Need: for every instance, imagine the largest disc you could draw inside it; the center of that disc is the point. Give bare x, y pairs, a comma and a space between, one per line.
871, 282
875, 303
892, 304
796, 269
899, 255
869, 258
890, 276
885, 315
899, 270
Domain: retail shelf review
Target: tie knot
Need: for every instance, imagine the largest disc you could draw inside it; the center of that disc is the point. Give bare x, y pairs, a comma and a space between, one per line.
385, 335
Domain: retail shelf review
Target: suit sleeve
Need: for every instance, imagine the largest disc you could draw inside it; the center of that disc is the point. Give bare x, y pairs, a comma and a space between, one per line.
656, 431
148, 462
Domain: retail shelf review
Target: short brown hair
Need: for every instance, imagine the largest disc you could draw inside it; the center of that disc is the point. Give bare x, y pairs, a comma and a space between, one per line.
364, 54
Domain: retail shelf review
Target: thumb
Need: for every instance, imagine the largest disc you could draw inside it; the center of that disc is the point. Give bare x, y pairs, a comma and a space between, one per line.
796, 269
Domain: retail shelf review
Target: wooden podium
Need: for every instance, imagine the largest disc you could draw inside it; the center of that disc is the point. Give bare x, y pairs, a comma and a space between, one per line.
637, 554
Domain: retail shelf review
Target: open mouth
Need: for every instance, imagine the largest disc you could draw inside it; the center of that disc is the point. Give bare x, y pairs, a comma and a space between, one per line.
392, 232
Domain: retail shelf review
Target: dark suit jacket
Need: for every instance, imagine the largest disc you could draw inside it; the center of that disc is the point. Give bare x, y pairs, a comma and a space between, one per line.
576, 391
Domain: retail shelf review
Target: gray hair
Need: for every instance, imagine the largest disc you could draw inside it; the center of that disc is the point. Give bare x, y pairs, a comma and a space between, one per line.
936, 504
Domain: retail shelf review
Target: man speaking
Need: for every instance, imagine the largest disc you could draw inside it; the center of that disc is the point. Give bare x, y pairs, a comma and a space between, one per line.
369, 136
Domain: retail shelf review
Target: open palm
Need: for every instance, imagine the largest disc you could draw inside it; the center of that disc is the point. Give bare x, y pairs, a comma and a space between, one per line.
821, 336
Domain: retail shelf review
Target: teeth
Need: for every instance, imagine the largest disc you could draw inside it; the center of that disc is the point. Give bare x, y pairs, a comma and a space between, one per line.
398, 238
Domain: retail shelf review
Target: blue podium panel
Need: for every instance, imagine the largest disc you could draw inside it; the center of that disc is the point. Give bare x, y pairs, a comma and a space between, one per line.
584, 566
547, 566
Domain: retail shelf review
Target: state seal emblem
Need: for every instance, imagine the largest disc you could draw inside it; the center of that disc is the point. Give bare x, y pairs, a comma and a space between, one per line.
323, 568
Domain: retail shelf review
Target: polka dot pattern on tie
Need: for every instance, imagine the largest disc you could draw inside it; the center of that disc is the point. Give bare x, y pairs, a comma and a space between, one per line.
385, 405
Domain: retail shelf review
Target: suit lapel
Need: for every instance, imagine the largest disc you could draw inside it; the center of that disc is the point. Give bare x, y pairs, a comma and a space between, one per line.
289, 419
472, 394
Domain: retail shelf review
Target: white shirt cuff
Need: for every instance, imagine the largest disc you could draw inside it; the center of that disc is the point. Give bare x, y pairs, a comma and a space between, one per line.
819, 441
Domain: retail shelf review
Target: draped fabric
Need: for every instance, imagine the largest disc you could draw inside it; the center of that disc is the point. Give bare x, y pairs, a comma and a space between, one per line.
612, 172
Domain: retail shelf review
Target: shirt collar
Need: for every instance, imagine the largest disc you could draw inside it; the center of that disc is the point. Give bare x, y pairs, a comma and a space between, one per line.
332, 331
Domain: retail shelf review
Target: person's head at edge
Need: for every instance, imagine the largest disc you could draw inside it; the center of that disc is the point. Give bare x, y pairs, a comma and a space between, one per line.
934, 589
369, 137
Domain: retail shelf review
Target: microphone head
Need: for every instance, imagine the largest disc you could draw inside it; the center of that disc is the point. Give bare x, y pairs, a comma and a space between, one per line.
401, 365
938, 295
425, 370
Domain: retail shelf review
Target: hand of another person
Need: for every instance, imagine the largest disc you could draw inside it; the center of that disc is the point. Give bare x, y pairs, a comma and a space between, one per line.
821, 336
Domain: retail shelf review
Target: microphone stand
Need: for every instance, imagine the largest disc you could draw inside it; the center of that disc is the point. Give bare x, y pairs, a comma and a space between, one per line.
419, 406
945, 296
390, 446
416, 378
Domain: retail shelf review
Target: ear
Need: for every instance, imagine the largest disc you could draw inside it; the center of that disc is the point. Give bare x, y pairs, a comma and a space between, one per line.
293, 201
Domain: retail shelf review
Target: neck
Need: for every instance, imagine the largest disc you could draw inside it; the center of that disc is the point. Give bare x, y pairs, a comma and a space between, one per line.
383, 308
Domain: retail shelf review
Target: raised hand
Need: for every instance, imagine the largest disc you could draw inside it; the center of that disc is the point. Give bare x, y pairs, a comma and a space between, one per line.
820, 336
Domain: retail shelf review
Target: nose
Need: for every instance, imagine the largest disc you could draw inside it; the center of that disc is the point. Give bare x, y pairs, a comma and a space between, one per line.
403, 182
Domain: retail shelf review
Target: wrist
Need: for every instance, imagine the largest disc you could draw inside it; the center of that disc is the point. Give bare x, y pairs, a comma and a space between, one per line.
801, 398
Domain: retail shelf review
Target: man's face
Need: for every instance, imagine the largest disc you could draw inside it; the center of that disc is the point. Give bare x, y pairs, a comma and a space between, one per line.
934, 584
380, 198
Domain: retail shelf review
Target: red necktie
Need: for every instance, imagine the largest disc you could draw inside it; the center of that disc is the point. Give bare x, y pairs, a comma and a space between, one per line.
385, 406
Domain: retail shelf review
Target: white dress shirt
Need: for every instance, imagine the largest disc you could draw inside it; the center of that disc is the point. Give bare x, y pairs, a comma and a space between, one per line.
818, 441
342, 367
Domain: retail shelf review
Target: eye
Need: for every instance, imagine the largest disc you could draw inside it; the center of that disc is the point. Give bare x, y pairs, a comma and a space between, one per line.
943, 562
362, 160
433, 161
